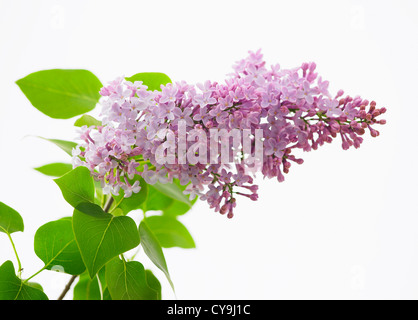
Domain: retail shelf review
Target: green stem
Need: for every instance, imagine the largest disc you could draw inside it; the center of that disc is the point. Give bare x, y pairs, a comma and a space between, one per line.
100, 286
17, 256
117, 205
103, 201
36, 273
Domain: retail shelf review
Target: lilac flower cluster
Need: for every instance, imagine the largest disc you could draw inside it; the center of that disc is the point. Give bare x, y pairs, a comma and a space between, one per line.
293, 108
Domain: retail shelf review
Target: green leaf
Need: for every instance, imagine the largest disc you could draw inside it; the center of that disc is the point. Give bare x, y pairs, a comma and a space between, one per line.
61, 93
166, 201
172, 191
77, 186
99, 196
88, 289
12, 288
57, 169
170, 232
153, 250
86, 120
134, 201
153, 283
177, 208
35, 285
128, 281
106, 294
67, 146
10, 220
156, 200
55, 245
101, 236
153, 80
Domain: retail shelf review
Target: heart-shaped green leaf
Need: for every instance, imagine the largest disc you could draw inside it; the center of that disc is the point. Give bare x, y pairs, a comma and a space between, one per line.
153, 80
60, 93
12, 288
77, 186
10, 220
101, 236
170, 232
128, 281
55, 245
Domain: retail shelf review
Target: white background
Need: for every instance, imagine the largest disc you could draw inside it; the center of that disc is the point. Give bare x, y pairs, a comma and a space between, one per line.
344, 225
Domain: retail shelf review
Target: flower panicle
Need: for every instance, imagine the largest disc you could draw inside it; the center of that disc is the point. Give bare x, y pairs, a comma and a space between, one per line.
292, 108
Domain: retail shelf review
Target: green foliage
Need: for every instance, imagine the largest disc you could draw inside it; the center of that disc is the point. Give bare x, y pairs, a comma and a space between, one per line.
172, 191
57, 169
77, 186
67, 146
128, 281
61, 94
10, 220
153, 249
134, 201
167, 198
90, 289
156, 200
92, 244
101, 236
55, 245
170, 232
153, 283
86, 120
151, 79
13, 288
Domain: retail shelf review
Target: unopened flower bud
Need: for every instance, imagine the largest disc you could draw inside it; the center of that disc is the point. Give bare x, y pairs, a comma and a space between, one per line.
254, 196
339, 94
374, 133
224, 208
345, 145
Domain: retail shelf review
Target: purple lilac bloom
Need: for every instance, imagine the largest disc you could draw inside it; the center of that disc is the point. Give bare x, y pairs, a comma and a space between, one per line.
292, 107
